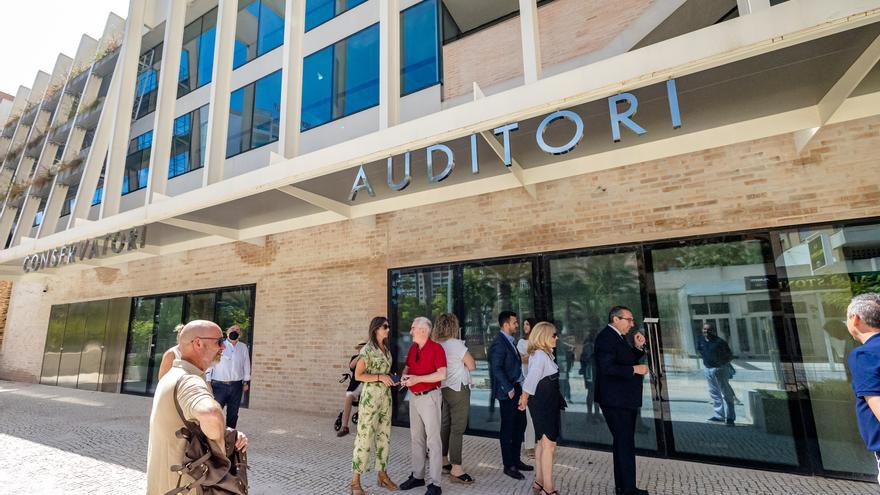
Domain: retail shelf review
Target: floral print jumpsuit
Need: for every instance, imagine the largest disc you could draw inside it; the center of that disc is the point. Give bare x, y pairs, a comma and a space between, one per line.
374, 413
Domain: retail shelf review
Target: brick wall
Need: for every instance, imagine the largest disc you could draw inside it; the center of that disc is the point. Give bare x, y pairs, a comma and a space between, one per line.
317, 288
5, 292
569, 29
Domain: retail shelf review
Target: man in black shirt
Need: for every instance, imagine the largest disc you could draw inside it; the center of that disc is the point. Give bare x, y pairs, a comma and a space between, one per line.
717, 356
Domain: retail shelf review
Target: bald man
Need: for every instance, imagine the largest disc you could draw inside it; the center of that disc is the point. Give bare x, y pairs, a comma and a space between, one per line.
201, 344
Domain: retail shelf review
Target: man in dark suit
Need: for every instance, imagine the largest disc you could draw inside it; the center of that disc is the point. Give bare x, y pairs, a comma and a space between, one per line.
619, 377
506, 376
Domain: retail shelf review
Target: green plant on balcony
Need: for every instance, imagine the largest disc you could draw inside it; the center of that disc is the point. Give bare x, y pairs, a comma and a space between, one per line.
111, 45
54, 88
14, 152
42, 177
76, 71
12, 121
68, 164
33, 143
88, 107
16, 189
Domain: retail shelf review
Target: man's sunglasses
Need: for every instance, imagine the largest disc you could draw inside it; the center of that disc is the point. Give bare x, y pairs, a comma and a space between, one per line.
218, 340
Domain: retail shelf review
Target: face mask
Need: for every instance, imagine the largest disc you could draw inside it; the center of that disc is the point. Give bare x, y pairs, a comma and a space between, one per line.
233, 335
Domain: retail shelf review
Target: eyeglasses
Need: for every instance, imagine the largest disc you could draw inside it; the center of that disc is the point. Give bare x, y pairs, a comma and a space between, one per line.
555, 336
218, 340
386, 326
631, 320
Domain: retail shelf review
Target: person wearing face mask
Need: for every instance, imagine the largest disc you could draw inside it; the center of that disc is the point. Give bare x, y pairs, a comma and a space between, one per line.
231, 377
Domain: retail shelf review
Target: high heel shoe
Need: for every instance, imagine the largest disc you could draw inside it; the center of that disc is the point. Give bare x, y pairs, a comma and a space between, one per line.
385, 482
356, 487
537, 489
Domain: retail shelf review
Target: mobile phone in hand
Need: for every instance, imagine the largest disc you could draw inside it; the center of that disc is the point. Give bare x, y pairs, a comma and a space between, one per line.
395, 378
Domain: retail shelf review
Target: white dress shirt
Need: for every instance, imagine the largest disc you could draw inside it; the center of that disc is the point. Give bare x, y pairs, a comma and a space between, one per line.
540, 365
234, 365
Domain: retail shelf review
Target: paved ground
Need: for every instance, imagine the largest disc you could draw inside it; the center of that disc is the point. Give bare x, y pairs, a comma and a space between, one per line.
60, 441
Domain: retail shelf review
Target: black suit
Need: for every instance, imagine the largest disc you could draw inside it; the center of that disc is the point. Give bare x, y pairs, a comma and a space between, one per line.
505, 371
619, 392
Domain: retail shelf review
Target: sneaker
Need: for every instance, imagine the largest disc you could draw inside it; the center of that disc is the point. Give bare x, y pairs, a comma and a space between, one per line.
412, 482
433, 490
715, 419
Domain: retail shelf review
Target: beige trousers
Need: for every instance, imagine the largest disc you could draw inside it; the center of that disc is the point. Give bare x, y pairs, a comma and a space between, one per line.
424, 429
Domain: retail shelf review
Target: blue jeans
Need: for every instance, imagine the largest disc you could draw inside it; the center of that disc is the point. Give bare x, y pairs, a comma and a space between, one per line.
720, 392
228, 396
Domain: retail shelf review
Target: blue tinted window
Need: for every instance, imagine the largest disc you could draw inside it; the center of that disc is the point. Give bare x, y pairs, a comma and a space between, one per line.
341, 79
361, 88
137, 163
206, 50
320, 11
38, 218
254, 115
317, 97
271, 33
267, 110
98, 196
259, 29
188, 144
146, 88
419, 47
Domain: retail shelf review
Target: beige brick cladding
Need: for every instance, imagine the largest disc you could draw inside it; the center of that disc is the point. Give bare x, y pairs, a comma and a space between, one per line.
5, 292
569, 29
317, 288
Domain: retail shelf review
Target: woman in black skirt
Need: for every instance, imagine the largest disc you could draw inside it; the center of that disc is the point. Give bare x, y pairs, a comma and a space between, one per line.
542, 385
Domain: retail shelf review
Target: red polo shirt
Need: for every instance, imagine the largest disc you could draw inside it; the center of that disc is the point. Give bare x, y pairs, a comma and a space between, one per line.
425, 361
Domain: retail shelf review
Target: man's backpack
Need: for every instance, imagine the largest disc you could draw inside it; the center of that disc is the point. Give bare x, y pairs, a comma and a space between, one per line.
213, 472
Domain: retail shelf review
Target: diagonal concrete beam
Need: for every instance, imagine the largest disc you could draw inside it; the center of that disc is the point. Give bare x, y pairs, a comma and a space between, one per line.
323, 202
830, 104
210, 229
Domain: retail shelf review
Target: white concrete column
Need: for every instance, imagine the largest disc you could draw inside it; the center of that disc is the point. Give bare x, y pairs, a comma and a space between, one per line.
52, 212
389, 63
291, 77
7, 218
750, 6
218, 111
26, 219
531, 40
122, 108
163, 119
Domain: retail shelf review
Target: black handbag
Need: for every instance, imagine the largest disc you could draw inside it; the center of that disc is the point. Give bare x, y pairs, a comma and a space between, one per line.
213, 472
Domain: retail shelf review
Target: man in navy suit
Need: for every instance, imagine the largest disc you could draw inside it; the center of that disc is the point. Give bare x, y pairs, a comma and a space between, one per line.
619, 377
506, 376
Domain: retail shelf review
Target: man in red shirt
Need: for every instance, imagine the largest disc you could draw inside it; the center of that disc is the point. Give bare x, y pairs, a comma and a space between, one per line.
425, 369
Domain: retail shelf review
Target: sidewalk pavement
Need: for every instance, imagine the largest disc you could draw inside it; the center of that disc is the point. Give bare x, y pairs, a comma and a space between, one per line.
62, 441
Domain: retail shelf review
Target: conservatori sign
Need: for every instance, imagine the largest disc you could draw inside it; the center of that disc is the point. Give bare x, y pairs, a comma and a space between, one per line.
621, 109
99, 247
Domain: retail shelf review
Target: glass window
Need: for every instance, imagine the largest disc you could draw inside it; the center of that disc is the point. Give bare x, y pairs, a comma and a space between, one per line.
140, 338
69, 198
137, 163
258, 30
320, 11
200, 306
341, 79
197, 55
824, 268
188, 143
146, 89
98, 196
419, 47
254, 115
170, 314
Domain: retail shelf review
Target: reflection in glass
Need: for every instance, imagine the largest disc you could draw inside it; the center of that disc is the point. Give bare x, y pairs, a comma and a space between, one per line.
140, 339
710, 284
254, 115
259, 29
583, 290
321, 11
54, 342
74, 335
825, 268
170, 315
137, 163
93, 344
200, 307
147, 86
188, 143
317, 97
419, 47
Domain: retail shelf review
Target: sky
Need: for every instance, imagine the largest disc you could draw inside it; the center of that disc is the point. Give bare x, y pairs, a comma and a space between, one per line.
34, 32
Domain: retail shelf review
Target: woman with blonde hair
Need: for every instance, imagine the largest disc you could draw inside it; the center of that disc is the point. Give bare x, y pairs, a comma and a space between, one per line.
523, 347
171, 354
542, 386
456, 390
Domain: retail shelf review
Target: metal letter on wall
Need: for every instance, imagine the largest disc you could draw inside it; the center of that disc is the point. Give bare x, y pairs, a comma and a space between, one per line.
407, 176
565, 148
624, 118
450, 162
360, 182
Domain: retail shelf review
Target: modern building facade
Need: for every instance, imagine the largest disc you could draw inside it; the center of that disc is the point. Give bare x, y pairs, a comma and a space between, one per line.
299, 166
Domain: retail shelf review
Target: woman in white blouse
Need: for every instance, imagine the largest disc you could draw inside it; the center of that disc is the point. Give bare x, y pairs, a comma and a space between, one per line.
456, 390
523, 347
542, 386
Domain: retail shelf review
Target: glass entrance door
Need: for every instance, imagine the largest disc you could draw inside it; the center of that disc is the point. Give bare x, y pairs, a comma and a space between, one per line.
718, 351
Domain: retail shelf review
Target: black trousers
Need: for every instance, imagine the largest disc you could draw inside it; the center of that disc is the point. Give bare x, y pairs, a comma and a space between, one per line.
622, 423
513, 428
229, 396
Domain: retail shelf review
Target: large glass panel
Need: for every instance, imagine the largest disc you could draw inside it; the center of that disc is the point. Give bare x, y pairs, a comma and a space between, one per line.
68, 371
54, 343
735, 375
419, 47
488, 290
118, 313
246, 31
140, 340
137, 163
583, 289
189, 58
267, 110
427, 292
93, 345
824, 268
206, 48
188, 144
235, 307
200, 306
170, 315
321, 11
317, 97
271, 31
241, 112
357, 61
147, 87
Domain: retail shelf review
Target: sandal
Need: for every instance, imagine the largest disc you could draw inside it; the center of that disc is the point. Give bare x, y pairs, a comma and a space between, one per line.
464, 479
537, 489
356, 488
342, 431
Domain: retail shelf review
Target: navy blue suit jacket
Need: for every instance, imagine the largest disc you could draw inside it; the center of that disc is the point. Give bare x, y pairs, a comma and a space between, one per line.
616, 383
506, 366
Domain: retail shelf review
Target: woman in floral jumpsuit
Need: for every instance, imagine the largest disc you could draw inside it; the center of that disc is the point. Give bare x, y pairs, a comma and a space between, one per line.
374, 409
